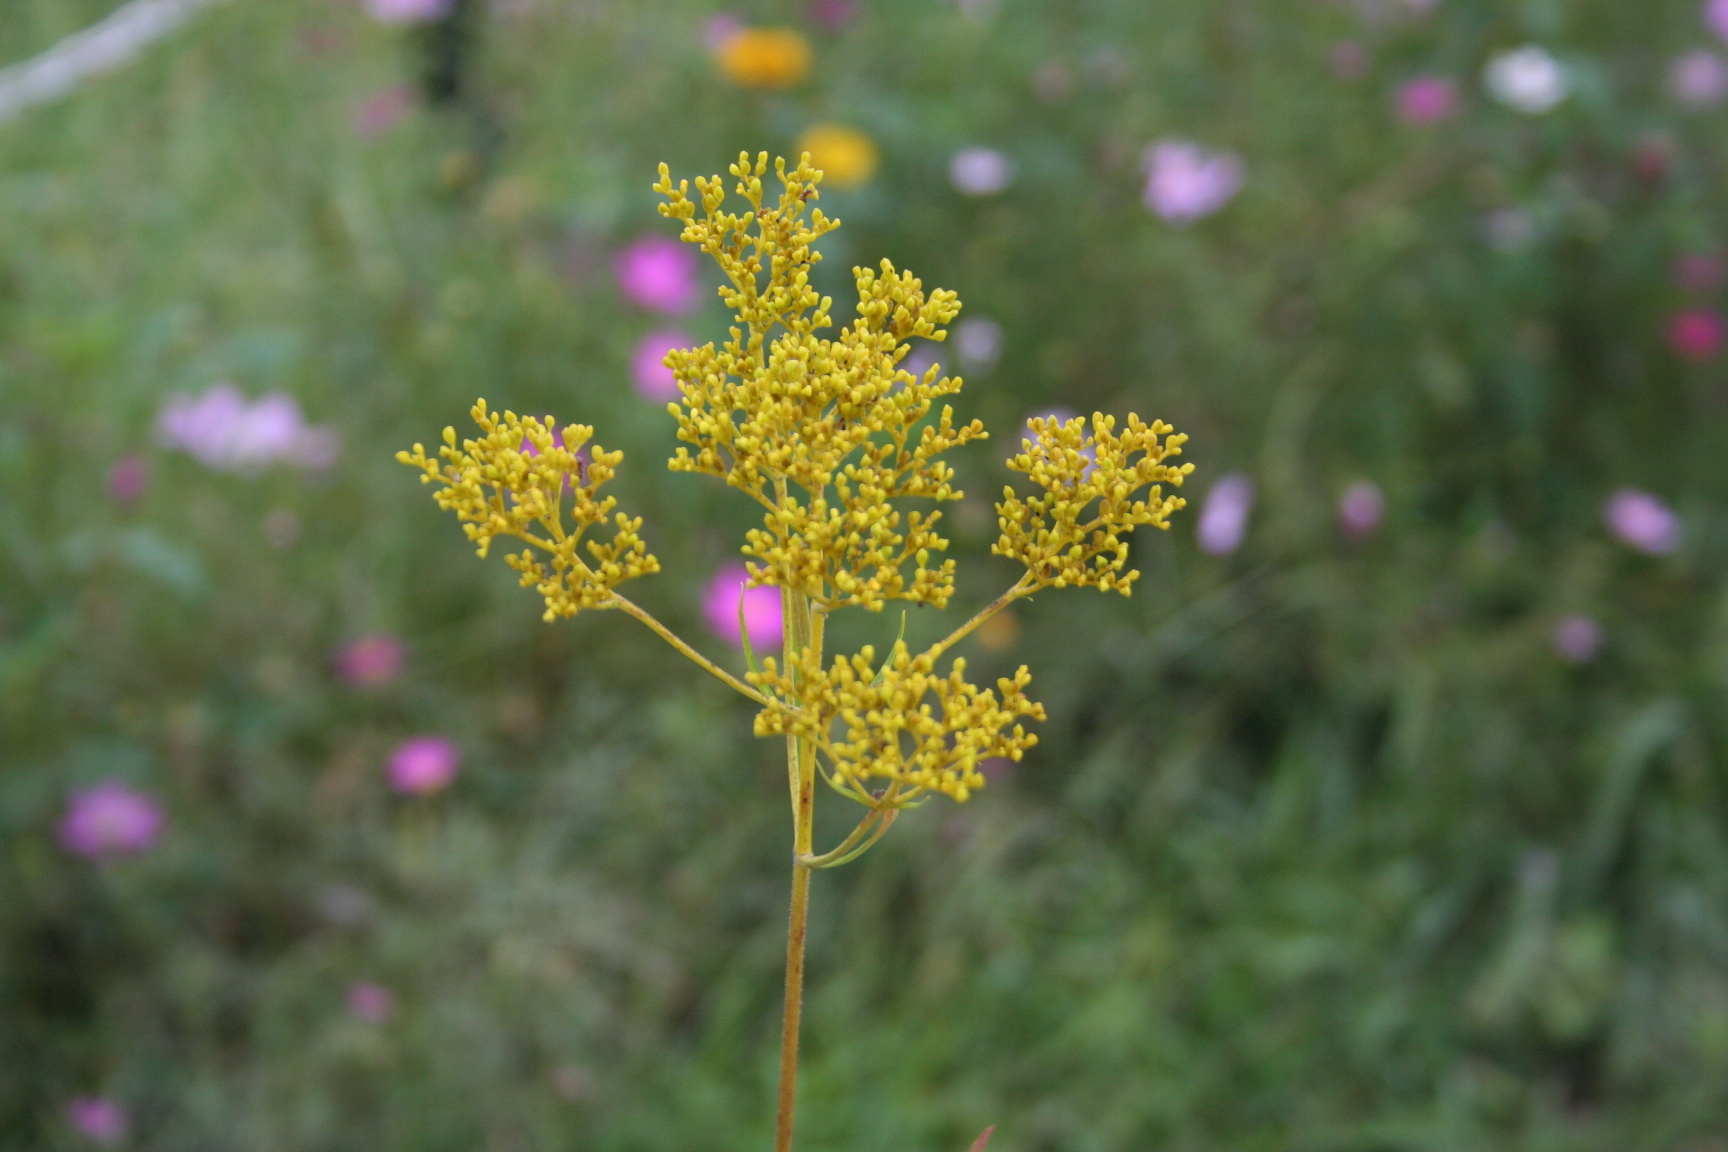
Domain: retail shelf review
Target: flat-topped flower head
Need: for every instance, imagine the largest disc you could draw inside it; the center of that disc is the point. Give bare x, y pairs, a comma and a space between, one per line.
512, 482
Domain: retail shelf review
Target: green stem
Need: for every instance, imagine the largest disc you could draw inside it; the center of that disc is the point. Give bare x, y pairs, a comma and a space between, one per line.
803, 630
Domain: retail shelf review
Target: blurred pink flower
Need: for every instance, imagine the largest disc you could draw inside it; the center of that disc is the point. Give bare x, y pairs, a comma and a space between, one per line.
1698, 272
1577, 637
1642, 521
833, 15
980, 171
223, 431
110, 820
647, 368
1427, 99
658, 273
370, 1002
1348, 61
409, 11
1716, 17
721, 27
1224, 514
1696, 334
382, 111
370, 660
423, 765
761, 609
1360, 510
97, 1118
1185, 182
1699, 78
127, 478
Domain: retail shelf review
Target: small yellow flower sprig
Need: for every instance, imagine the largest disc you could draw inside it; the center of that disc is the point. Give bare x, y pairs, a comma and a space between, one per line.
1070, 534
513, 479
780, 415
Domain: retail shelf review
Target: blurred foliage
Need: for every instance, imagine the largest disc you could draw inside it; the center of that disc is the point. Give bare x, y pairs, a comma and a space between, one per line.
1324, 847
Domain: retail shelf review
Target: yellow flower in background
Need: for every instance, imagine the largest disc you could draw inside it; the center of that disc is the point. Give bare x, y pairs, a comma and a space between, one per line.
846, 157
765, 57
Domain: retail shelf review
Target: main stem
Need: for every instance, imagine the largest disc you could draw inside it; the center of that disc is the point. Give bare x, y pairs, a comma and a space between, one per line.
803, 630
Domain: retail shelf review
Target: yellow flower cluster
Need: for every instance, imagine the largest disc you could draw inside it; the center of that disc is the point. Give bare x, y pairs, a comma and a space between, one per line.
514, 479
793, 417
1091, 492
891, 731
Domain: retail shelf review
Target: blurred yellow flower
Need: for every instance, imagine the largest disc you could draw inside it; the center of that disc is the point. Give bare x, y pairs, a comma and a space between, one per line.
765, 57
846, 157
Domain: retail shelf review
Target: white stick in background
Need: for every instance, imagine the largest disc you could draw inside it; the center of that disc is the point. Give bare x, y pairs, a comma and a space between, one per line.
99, 48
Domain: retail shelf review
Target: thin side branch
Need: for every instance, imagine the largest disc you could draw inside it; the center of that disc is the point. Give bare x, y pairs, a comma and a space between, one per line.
1022, 587
671, 638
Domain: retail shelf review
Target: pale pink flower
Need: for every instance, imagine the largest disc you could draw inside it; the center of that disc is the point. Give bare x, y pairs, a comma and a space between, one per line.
1224, 514
370, 660
1699, 78
1642, 521
127, 478
721, 27
762, 615
1698, 272
1185, 182
980, 171
978, 343
382, 111
97, 1118
1716, 17
1347, 60
370, 1002
833, 15
1577, 638
110, 820
648, 369
1696, 334
225, 432
1360, 510
423, 765
659, 274
409, 11
1427, 99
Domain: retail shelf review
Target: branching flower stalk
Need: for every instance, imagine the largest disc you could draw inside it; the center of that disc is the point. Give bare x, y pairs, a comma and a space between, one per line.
827, 435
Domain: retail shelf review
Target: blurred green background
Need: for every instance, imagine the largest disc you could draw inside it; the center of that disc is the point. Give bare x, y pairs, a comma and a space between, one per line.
1398, 831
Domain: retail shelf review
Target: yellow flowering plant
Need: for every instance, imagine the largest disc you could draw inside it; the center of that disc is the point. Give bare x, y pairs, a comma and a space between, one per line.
829, 435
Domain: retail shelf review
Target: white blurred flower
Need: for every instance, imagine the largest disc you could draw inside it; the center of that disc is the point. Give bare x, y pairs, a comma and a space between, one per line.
1699, 78
980, 171
1528, 79
978, 343
1224, 514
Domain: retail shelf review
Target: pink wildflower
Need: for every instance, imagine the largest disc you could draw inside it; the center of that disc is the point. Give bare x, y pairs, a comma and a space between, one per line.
1348, 61
1224, 514
980, 171
97, 1118
423, 765
126, 480
1716, 17
382, 111
648, 370
721, 27
409, 11
658, 273
225, 432
1696, 334
370, 1002
369, 660
1698, 272
1360, 510
1427, 99
762, 615
1577, 638
833, 15
1698, 79
1185, 182
110, 820
1642, 521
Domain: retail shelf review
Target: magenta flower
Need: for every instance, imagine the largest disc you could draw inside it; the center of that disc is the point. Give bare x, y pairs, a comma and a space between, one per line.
1642, 521
369, 660
1696, 334
648, 369
409, 11
110, 820
97, 1118
833, 15
658, 273
370, 1002
761, 609
1716, 17
423, 765
1360, 510
382, 111
1185, 182
126, 480
1427, 99
1224, 514
1577, 638
1699, 79
225, 432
